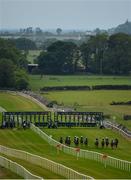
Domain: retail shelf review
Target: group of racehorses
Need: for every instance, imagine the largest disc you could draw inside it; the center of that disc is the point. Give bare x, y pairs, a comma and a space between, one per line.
105, 142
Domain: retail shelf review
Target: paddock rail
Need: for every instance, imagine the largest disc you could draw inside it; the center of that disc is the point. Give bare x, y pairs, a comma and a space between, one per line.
121, 131
44, 163
92, 155
17, 168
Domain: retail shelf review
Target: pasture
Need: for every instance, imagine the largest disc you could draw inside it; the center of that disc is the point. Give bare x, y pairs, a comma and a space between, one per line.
98, 100
36, 82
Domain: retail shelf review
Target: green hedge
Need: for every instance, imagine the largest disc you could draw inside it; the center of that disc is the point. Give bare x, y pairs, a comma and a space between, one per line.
111, 87
127, 117
97, 87
63, 88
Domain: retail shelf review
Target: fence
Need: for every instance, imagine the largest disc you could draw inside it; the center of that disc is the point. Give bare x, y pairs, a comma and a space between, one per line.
16, 168
121, 131
44, 163
106, 160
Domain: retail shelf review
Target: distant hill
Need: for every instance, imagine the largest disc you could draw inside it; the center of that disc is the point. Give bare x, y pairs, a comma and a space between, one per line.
124, 28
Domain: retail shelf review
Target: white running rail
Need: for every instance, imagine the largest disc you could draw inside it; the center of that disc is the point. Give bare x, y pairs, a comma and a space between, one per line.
17, 168
112, 126
44, 163
111, 161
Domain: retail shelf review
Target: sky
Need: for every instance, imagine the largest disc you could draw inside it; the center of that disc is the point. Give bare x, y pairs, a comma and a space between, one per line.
66, 14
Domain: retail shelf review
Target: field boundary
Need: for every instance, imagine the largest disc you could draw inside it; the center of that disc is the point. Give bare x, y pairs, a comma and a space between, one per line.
44, 163
17, 168
92, 155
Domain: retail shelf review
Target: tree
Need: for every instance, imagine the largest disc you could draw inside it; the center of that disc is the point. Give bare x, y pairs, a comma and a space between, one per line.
59, 31
58, 59
7, 77
12, 61
9, 51
117, 58
21, 79
48, 63
93, 53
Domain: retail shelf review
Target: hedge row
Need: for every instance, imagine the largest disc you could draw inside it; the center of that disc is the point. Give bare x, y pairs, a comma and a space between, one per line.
127, 117
111, 87
59, 88
97, 87
121, 103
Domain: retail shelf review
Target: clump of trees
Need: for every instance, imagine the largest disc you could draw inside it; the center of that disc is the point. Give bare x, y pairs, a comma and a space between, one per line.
59, 58
13, 65
101, 54
104, 54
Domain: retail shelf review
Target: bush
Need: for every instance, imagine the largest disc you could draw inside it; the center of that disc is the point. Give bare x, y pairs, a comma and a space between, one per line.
127, 117
120, 103
51, 104
62, 88
111, 87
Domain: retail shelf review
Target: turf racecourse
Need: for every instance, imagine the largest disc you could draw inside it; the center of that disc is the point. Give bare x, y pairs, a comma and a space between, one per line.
31, 142
122, 152
14, 102
97, 100
5, 174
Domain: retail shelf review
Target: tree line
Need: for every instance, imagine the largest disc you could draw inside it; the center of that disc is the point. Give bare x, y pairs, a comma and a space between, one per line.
13, 66
101, 54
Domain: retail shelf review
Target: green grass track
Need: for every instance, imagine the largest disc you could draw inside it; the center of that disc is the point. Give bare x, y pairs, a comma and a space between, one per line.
31, 142
7, 174
15, 102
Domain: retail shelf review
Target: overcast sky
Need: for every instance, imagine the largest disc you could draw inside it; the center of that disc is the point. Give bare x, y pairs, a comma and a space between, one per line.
66, 14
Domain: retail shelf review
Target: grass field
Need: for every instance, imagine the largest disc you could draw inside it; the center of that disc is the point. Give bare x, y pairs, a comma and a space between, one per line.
14, 102
6, 174
95, 101
36, 82
32, 55
21, 139
31, 142
124, 147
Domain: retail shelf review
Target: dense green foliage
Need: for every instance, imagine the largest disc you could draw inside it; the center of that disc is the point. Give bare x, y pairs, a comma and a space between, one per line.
107, 55
101, 54
58, 59
13, 66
